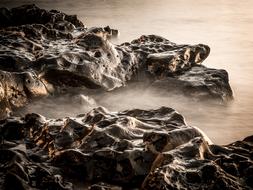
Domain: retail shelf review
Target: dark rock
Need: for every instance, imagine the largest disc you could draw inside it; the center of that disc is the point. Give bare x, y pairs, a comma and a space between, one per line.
103, 186
198, 82
61, 53
88, 148
46, 53
16, 89
154, 149
192, 171
30, 14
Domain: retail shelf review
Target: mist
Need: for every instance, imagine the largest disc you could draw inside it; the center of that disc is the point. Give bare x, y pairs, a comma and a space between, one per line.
226, 26
214, 118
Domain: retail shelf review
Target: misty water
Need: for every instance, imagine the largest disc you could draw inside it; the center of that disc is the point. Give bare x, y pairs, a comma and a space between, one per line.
225, 25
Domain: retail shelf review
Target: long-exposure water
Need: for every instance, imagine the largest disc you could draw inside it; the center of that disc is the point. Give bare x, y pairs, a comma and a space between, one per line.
225, 25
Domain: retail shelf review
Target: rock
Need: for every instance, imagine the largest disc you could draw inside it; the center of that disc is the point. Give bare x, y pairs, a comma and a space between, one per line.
30, 14
198, 82
105, 32
48, 53
17, 88
52, 54
154, 149
103, 186
62, 54
194, 166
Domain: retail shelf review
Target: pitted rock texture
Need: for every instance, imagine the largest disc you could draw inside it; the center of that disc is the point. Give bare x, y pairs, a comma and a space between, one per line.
199, 82
133, 149
17, 88
30, 14
61, 54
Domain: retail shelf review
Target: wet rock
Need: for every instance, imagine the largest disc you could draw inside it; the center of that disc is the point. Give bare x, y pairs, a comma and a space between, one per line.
46, 53
30, 14
16, 89
98, 146
198, 82
186, 168
105, 32
62, 54
152, 149
39, 35
103, 186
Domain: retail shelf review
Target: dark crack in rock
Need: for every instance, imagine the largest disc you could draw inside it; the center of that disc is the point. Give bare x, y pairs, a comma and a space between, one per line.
133, 149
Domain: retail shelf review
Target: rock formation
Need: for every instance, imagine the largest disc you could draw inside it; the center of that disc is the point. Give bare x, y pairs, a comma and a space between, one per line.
143, 149
57, 53
48, 53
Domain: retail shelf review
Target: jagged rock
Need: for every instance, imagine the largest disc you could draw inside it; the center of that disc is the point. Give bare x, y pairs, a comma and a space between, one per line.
30, 14
134, 149
62, 53
103, 186
17, 88
105, 32
195, 165
46, 53
198, 82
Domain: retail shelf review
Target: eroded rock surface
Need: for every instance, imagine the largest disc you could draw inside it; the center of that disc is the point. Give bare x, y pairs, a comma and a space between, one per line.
48, 53
199, 82
61, 54
17, 88
143, 149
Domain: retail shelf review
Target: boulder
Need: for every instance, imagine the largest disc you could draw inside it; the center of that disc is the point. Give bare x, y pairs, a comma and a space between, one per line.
62, 54
152, 149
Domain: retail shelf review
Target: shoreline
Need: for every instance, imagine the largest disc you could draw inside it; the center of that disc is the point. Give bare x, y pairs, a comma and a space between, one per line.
48, 54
